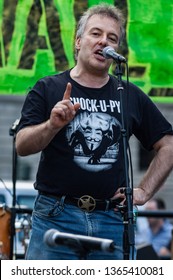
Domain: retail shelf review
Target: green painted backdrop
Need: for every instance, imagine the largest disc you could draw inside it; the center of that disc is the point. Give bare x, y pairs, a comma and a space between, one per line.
37, 39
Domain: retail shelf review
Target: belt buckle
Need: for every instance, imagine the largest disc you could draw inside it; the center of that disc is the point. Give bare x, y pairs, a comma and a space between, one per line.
87, 203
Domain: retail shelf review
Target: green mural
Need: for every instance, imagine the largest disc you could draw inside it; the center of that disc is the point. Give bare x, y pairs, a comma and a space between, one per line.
150, 43
37, 39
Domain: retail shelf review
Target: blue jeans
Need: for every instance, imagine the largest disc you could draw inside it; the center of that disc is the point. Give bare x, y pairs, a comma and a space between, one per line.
50, 213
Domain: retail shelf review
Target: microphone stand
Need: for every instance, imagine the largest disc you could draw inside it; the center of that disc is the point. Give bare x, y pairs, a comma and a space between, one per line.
128, 234
12, 132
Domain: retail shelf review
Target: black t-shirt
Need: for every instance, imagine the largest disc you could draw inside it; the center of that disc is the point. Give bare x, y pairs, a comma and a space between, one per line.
86, 157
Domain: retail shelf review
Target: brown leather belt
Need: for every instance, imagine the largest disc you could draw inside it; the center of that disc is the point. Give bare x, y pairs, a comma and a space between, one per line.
86, 202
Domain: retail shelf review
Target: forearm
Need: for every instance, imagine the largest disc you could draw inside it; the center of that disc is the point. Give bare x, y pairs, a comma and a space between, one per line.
33, 139
158, 171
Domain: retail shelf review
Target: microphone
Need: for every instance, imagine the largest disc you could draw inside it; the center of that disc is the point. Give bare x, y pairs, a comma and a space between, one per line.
54, 237
109, 52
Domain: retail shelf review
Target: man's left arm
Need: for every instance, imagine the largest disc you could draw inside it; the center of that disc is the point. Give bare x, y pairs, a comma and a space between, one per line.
158, 171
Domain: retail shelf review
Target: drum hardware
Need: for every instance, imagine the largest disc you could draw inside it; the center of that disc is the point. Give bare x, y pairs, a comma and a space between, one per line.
23, 223
23, 228
3, 255
5, 234
17, 224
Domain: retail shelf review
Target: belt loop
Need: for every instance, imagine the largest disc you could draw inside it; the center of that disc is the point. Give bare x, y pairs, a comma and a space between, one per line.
61, 201
107, 205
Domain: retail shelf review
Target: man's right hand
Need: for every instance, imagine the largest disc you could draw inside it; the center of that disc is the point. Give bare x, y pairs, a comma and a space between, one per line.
64, 111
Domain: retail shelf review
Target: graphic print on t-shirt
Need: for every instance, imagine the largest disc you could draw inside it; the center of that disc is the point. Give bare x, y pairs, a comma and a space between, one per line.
94, 137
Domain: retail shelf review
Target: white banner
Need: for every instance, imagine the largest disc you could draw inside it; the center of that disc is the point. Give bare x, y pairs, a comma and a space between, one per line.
83, 269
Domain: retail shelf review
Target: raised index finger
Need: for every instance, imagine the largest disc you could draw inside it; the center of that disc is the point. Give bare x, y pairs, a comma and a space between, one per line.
67, 92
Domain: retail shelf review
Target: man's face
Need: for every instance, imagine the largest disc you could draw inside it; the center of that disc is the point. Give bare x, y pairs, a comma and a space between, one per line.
100, 31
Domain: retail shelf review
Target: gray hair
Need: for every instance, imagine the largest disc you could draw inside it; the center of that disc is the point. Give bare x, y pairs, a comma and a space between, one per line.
105, 10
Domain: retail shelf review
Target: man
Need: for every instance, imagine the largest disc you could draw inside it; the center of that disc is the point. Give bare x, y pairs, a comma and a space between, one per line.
159, 232
74, 118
